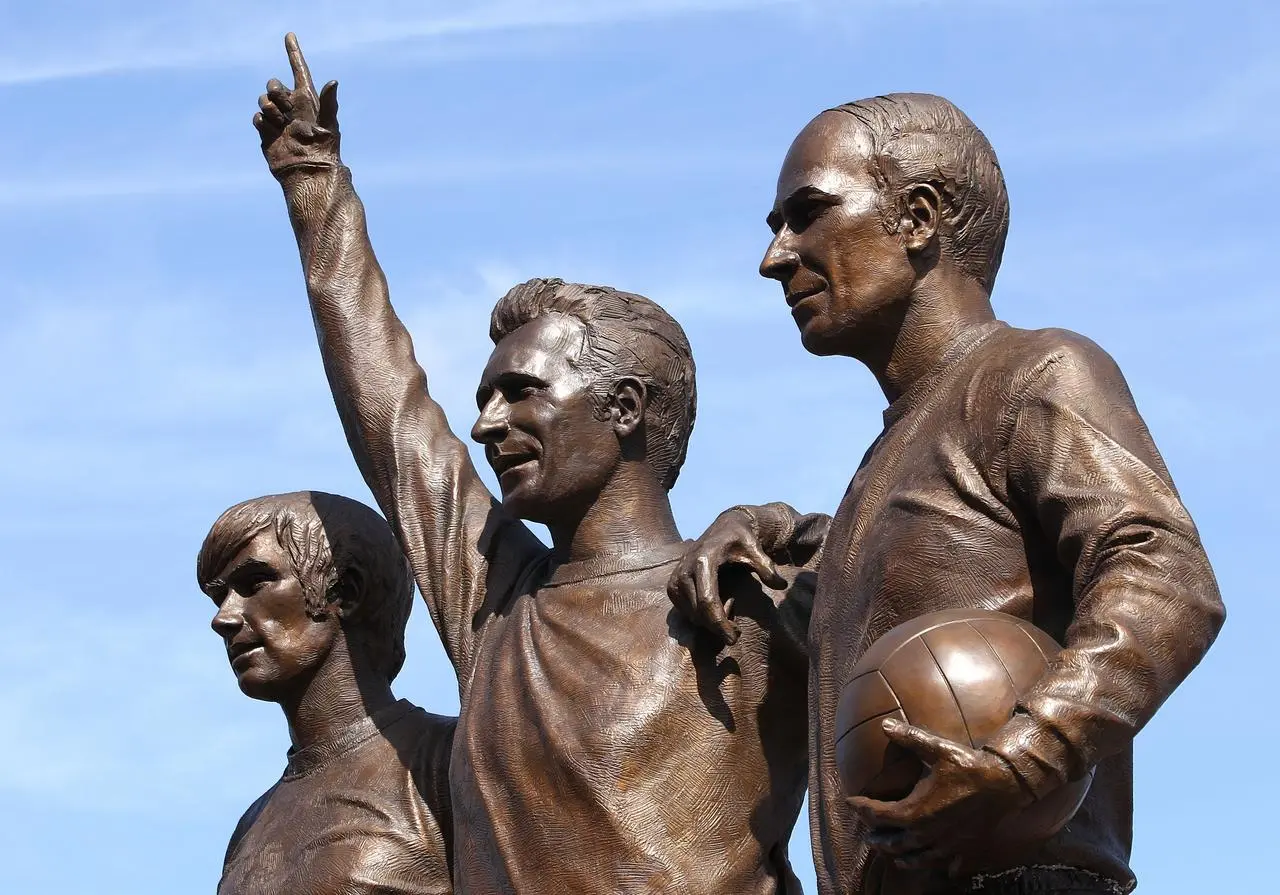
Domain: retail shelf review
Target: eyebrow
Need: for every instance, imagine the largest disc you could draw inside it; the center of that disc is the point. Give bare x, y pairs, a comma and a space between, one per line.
251, 564
509, 377
809, 193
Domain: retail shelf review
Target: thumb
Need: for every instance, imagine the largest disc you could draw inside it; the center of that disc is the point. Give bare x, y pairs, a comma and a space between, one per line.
327, 115
930, 748
759, 562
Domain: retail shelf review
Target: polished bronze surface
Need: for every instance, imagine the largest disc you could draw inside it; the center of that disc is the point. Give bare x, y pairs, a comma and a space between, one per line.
958, 673
312, 597
1014, 473
605, 743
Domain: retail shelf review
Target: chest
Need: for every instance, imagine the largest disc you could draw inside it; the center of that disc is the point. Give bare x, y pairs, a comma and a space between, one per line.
924, 525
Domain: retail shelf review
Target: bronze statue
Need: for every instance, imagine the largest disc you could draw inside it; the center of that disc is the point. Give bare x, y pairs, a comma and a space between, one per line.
313, 595
1013, 473
605, 744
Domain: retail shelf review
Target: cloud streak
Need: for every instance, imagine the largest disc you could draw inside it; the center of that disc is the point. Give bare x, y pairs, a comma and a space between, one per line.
214, 35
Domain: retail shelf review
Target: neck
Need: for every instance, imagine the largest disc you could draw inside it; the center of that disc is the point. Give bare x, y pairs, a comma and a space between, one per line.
632, 513
335, 698
943, 306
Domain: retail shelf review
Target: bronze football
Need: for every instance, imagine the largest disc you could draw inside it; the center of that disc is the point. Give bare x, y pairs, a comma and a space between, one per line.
957, 673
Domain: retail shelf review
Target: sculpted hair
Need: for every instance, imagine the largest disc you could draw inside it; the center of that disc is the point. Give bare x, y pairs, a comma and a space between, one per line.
328, 539
921, 138
625, 335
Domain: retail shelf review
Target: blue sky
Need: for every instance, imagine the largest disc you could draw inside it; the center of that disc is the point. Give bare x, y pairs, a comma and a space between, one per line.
160, 364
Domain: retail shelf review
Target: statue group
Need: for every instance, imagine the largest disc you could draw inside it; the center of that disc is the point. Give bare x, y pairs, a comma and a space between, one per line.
641, 713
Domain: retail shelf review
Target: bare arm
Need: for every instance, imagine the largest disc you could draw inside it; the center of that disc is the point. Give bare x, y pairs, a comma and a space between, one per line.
461, 544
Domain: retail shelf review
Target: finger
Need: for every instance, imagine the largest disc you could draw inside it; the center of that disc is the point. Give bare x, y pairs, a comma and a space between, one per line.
269, 130
680, 591
270, 113
880, 815
301, 74
281, 95
327, 117
930, 747
704, 578
895, 841
754, 557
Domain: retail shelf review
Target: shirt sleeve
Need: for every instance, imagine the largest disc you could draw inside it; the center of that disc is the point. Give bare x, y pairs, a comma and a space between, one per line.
466, 551
1083, 468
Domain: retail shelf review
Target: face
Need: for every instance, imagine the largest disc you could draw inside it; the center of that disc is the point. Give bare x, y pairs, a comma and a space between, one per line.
845, 277
538, 424
274, 647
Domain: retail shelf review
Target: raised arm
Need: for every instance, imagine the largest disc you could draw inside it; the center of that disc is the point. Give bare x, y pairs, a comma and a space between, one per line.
460, 542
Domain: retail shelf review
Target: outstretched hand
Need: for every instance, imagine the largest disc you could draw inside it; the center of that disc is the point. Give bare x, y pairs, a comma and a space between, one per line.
963, 793
298, 127
694, 584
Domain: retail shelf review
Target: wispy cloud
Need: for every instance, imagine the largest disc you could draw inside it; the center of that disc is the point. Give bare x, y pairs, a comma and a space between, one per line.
216, 34
53, 190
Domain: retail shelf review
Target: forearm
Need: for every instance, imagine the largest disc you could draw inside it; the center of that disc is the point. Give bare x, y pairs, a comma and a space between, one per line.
1147, 615
378, 386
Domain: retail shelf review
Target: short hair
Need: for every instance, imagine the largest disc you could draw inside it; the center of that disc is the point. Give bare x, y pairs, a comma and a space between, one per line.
922, 138
624, 335
326, 537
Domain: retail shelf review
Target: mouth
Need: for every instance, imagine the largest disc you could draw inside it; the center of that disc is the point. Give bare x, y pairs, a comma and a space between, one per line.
794, 298
237, 652
504, 463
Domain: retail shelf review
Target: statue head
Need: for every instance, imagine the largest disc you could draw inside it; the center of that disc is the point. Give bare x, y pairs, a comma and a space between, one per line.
872, 196
292, 575
581, 380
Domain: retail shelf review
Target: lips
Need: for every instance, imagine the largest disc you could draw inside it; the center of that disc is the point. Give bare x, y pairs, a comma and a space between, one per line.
506, 461
237, 651
794, 298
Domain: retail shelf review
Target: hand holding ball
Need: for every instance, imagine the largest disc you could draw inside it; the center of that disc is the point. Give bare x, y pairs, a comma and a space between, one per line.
957, 674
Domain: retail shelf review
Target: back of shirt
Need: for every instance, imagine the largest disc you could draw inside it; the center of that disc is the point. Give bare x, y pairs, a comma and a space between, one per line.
366, 813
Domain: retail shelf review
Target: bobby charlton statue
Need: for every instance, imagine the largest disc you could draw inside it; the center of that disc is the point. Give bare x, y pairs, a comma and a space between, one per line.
313, 595
605, 744
1013, 473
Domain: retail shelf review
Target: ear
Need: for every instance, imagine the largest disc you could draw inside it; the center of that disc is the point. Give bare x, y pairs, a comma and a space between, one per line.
627, 410
350, 593
920, 215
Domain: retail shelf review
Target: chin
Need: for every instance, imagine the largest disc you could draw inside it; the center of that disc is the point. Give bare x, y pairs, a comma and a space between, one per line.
817, 338
256, 688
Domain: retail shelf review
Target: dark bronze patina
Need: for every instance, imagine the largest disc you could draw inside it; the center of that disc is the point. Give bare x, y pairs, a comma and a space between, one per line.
1013, 473
605, 743
313, 595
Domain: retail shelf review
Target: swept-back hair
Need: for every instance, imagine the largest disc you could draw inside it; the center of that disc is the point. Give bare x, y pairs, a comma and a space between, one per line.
922, 138
327, 538
625, 335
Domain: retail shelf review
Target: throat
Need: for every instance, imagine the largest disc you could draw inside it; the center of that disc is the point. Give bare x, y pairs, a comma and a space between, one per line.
632, 514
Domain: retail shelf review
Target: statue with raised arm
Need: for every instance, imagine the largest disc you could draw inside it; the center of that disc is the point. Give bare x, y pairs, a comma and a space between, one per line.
605, 744
312, 596
1013, 473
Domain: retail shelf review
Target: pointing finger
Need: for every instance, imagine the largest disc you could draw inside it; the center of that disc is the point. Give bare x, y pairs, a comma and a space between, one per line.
301, 74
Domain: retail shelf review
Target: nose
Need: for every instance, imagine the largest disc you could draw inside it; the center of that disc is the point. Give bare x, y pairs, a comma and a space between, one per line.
492, 426
229, 619
780, 260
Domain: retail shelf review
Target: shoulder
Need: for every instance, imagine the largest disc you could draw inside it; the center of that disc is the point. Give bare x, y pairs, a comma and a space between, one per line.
246, 822
1053, 363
